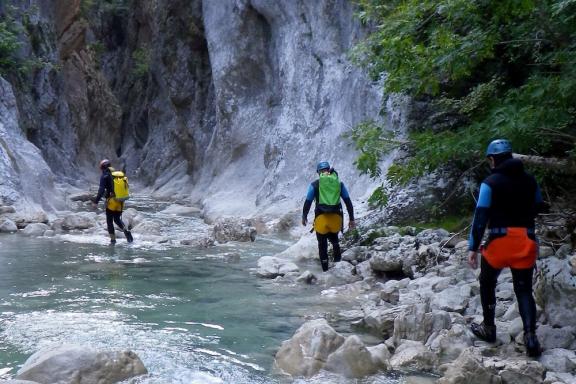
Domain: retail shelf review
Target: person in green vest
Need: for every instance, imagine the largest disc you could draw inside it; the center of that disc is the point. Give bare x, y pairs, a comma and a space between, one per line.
326, 192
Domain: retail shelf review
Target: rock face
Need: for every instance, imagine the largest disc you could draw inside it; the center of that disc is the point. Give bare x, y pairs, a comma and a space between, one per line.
226, 102
25, 176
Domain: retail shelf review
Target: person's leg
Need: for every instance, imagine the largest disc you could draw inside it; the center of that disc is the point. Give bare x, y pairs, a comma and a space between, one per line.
488, 279
522, 279
118, 220
120, 223
333, 237
110, 225
323, 250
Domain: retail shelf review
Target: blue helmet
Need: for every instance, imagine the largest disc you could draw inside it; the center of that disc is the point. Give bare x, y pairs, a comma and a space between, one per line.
498, 147
322, 165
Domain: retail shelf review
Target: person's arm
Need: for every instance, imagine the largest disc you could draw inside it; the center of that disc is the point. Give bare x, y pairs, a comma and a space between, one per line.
101, 190
479, 223
541, 206
307, 204
349, 207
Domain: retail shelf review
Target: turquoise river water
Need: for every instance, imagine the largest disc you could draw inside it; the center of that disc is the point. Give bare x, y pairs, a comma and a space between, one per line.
193, 316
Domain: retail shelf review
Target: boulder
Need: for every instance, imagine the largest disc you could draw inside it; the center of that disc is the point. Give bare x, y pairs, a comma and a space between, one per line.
413, 355
80, 365
80, 221
308, 350
418, 323
230, 229
468, 368
35, 229
555, 292
353, 359
271, 267
8, 226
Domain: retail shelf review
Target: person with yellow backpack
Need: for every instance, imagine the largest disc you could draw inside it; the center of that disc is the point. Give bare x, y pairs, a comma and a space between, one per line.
328, 221
113, 187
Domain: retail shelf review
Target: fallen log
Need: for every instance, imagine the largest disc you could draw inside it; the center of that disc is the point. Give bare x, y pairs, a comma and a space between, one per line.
565, 166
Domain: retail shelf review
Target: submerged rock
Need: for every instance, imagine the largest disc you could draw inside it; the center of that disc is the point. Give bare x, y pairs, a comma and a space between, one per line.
234, 230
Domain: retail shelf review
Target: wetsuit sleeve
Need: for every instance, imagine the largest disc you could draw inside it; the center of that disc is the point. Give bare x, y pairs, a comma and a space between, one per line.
346, 197
480, 217
541, 206
308, 201
101, 189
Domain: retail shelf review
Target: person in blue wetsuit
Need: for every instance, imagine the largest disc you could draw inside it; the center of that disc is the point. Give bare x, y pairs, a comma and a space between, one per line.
328, 221
508, 203
113, 207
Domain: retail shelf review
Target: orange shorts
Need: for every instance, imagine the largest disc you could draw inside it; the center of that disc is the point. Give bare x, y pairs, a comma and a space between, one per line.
514, 250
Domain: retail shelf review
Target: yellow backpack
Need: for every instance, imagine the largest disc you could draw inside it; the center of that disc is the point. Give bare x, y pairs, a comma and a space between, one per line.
121, 188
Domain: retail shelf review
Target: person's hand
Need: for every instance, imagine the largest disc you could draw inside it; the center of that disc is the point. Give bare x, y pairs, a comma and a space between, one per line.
304, 221
472, 259
352, 224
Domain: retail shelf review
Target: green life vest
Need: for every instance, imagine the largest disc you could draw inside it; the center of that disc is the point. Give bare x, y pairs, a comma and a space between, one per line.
120, 183
329, 189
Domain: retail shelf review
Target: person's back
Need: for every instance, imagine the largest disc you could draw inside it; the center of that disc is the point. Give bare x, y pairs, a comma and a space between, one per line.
326, 192
513, 191
508, 203
114, 207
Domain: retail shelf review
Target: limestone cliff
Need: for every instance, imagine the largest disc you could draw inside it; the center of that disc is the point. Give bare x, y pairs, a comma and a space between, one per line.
228, 102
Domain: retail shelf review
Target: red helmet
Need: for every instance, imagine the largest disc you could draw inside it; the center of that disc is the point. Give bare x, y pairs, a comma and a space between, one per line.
104, 164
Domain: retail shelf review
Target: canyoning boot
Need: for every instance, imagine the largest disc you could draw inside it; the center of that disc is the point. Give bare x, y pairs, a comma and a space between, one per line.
128, 235
112, 239
484, 332
533, 348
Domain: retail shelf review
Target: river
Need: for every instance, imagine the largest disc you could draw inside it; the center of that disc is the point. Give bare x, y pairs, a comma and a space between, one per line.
192, 315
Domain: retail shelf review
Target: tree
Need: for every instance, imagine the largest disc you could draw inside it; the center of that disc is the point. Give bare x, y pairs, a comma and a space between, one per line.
504, 68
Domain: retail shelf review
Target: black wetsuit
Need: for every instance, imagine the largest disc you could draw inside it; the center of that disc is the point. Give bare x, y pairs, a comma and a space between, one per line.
313, 195
509, 198
105, 190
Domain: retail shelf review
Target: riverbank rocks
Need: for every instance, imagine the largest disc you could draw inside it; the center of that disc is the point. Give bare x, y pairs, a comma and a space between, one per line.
308, 350
555, 292
22, 219
353, 359
80, 221
35, 229
234, 229
8, 226
416, 295
306, 248
80, 365
271, 267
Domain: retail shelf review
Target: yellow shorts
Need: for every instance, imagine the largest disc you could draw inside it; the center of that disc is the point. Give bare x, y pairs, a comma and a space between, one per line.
114, 205
328, 223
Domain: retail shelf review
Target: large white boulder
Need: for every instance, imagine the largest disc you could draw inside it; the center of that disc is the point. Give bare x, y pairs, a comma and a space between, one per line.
354, 359
80, 365
308, 350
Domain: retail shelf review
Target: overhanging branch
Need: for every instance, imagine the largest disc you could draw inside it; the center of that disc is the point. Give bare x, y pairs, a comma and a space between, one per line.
564, 166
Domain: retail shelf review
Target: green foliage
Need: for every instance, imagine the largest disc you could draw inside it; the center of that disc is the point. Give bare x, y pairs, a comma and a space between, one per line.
372, 141
141, 58
8, 47
379, 198
451, 223
502, 68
